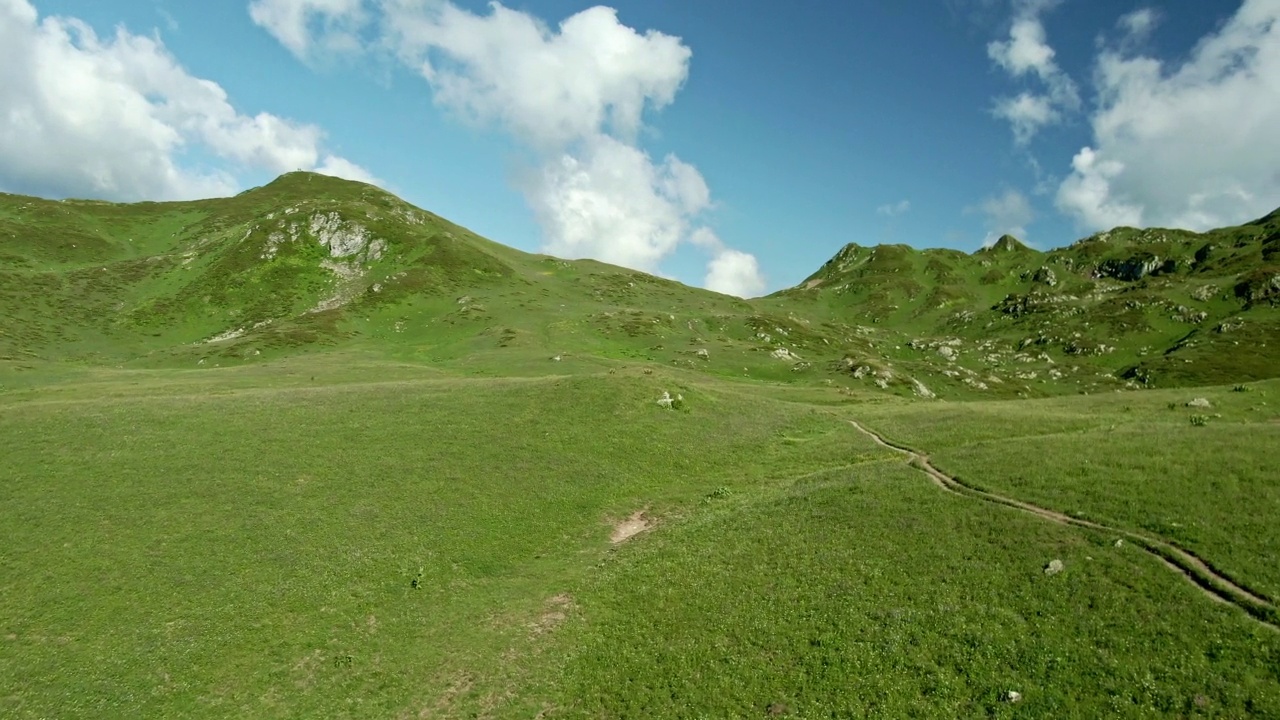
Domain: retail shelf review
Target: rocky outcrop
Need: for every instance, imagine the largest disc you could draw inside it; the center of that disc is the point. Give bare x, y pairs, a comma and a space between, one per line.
1130, 270
1260, 286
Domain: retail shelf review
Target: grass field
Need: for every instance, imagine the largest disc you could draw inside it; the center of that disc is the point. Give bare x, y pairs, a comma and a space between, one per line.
172, 551
339, 536
1131, 460
311, 452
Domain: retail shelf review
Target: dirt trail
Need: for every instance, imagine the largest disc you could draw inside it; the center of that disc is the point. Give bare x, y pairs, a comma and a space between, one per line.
1194, 569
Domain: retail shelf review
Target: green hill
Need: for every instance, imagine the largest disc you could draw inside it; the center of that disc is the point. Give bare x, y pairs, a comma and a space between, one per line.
1128, 306
313, 452
311, 262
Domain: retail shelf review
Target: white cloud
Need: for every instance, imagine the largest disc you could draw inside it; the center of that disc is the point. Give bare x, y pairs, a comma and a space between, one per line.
734, 272
730, 271
1008, 213
611, 202
706, 239
1027, 54
894, 209
1087, 193
1139, 23
347, 170
1026, 113
548, 87
1190, 145
1026, 50
113, 117
575, 95
301, 25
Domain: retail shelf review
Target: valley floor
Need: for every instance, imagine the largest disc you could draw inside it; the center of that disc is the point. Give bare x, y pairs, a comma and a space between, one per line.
335, 535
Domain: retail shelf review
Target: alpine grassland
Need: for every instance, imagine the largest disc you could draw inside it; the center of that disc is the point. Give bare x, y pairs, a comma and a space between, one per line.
313, 452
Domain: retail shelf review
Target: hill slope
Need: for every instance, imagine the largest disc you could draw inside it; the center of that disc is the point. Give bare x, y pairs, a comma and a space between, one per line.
1151, 306
311, 262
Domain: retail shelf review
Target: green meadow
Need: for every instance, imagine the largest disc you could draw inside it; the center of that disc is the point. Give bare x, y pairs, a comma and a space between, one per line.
452, 480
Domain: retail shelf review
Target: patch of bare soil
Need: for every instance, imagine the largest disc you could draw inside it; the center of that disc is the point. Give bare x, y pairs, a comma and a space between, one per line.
629, 528
1190, 566
556, 611
461, 684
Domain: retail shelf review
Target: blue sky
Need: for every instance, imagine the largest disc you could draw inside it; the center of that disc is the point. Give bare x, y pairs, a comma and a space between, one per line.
735, 144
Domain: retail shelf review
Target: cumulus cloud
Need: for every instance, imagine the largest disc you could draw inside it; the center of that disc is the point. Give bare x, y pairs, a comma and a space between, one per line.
894, 209
1191, 144
610, 201
734, 272
1087, 193
549, 87
1026, 114
113, 117
1139, 23
1008, 213
302, 25
345, 169
730, 271
574, 95
1027, 54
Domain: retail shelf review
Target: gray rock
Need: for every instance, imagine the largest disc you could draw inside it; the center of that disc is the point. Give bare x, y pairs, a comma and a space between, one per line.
1135, 268
668, 402
1045, 275
1054, 567
1200, 403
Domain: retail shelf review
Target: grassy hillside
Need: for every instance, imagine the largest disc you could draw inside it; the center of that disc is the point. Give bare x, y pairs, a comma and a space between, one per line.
311, 263
1127, 307
313, 452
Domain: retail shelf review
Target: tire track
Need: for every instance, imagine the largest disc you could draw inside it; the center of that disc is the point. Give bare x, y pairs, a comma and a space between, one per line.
1200, 573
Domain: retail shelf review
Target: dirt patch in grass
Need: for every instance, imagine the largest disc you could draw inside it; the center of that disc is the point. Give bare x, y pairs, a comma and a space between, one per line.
629, 528
555, 612
460, 686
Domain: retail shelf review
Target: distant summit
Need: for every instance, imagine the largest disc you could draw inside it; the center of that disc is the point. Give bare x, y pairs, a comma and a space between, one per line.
1006, 243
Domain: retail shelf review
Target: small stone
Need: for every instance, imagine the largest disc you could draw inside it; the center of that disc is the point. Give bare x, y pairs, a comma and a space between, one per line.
1200, 403
1012, 696
1120, 542
702, 353
1054, 567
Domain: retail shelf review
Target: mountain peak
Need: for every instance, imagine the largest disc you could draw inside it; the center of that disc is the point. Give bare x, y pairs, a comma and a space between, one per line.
310, 184
1006, 243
